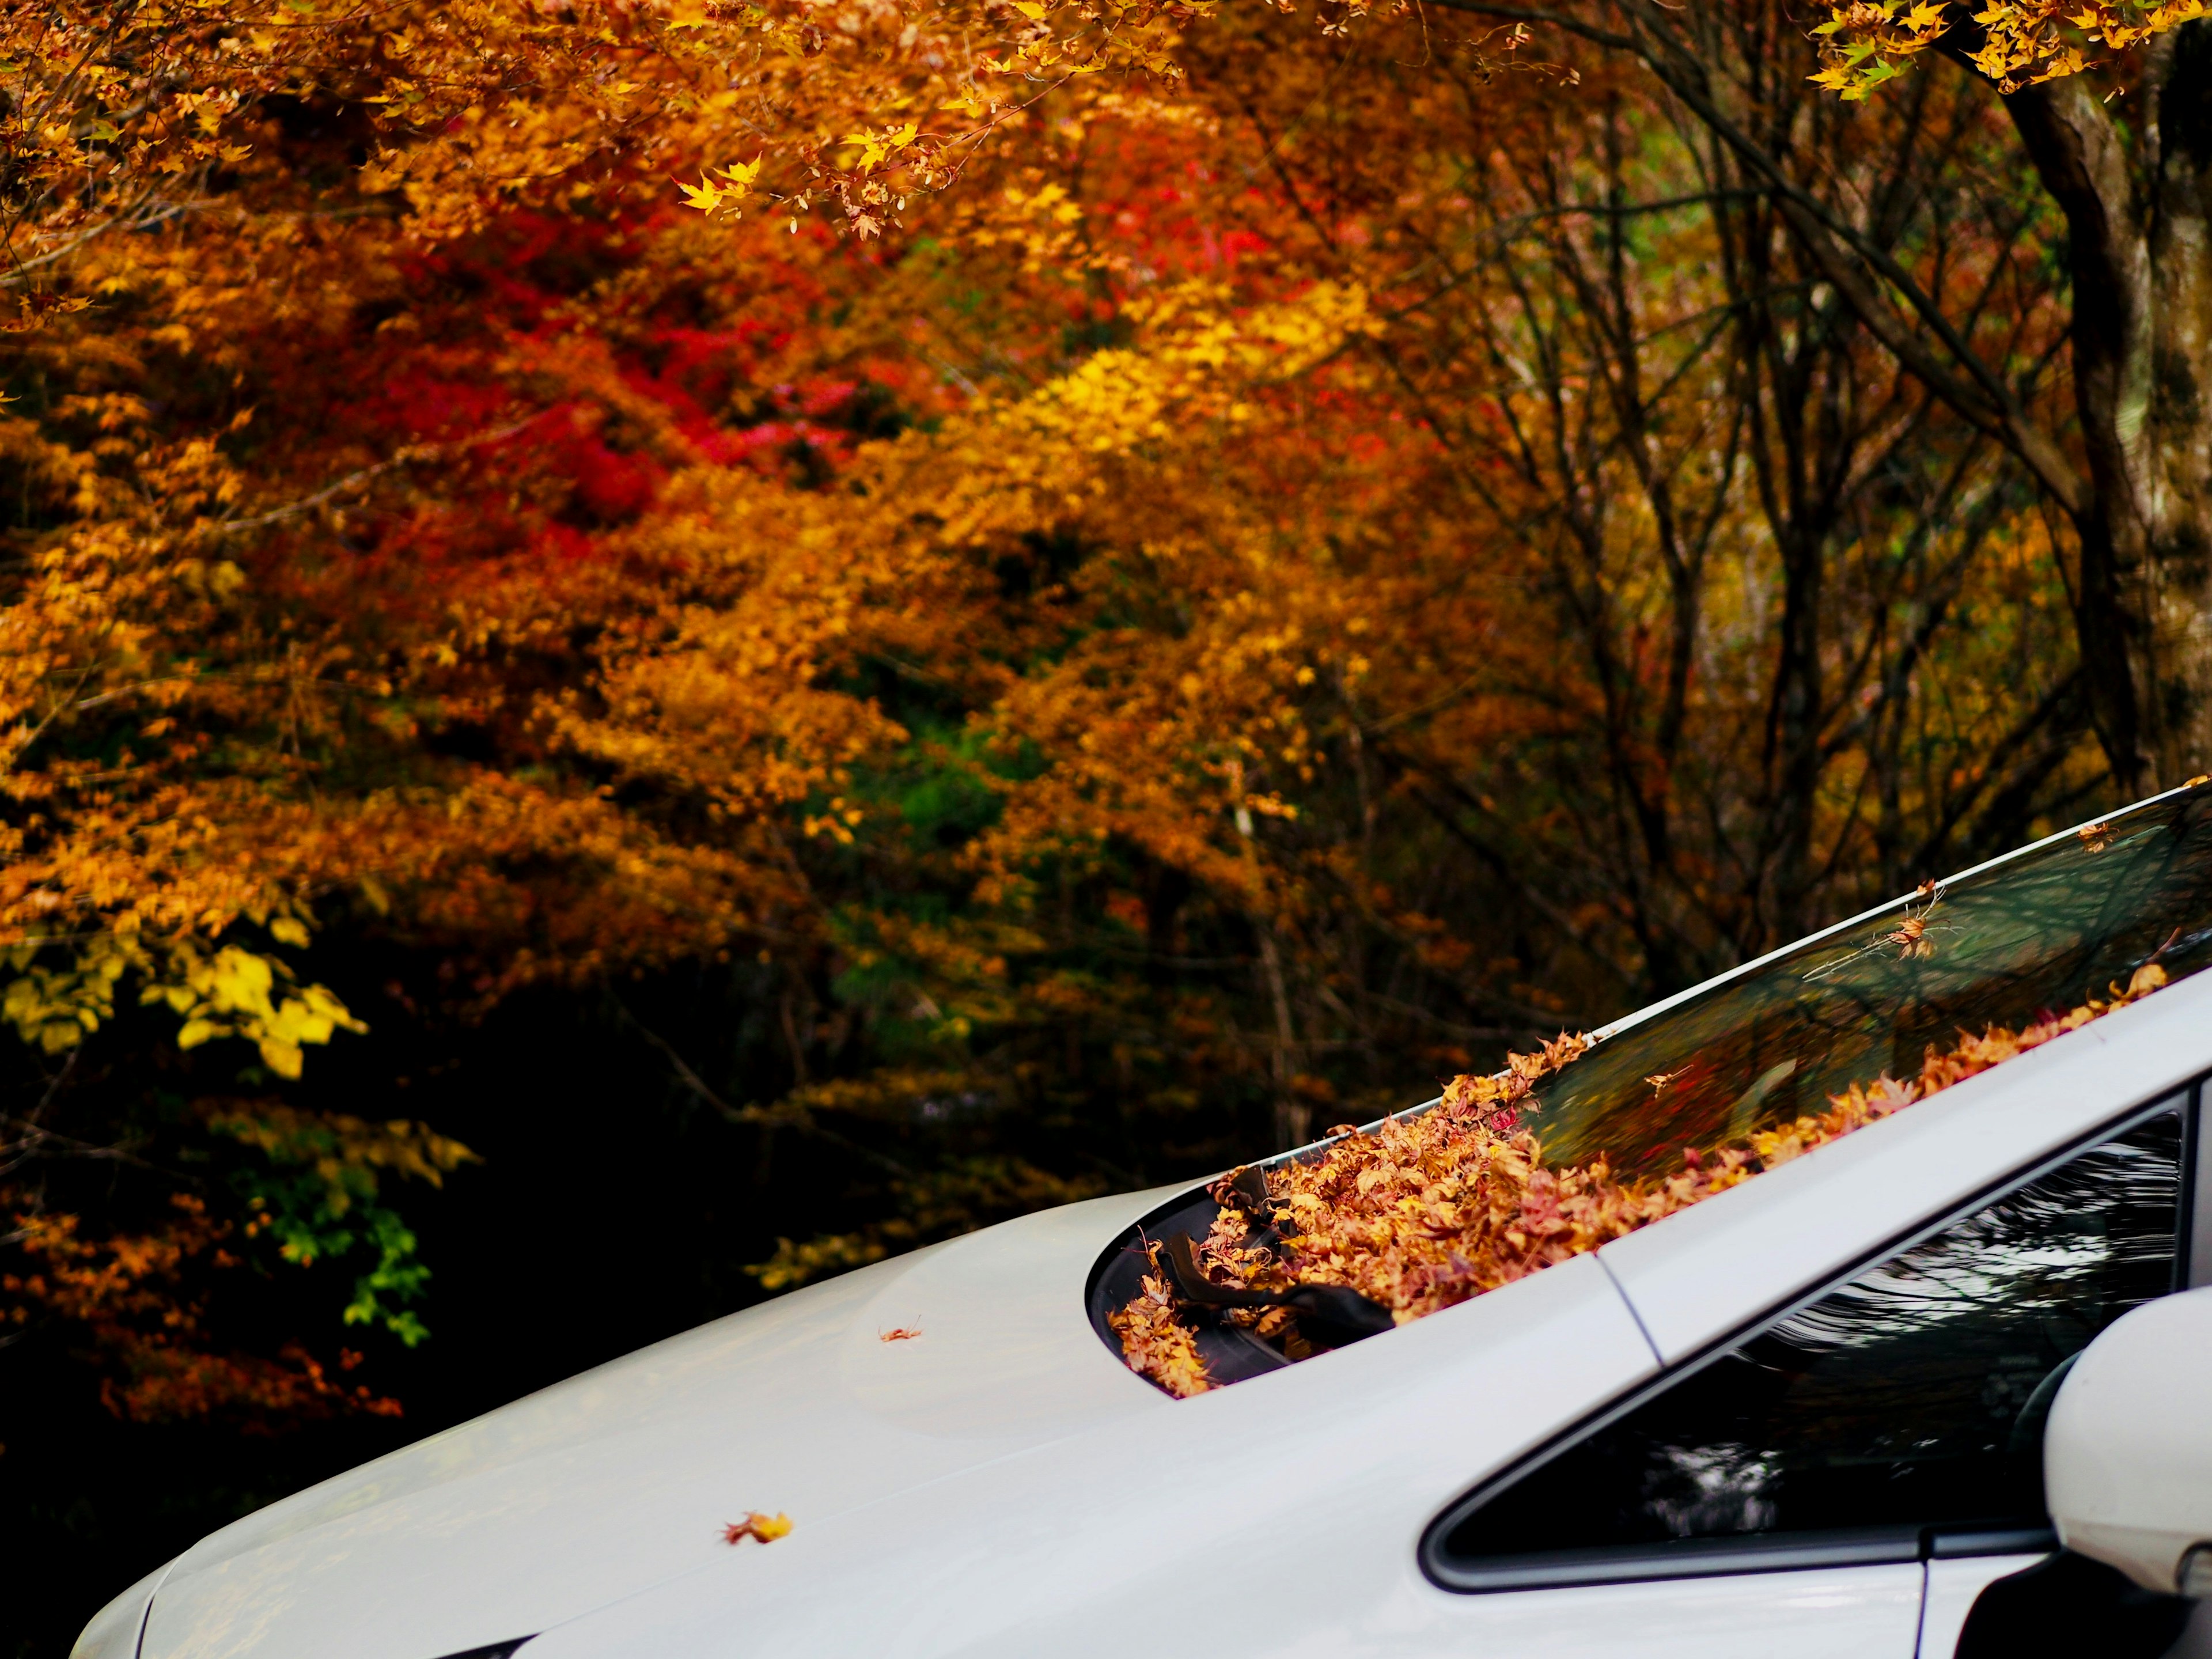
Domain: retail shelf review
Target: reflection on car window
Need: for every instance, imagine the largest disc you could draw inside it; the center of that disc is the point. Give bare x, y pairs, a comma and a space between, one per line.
2038, 934
1913, 1396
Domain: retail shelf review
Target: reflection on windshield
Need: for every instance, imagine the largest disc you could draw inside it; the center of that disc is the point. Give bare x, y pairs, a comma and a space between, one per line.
2042, 932
1584, 1141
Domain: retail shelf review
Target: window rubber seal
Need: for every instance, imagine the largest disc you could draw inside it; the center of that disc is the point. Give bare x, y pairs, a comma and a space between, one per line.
1717, 1557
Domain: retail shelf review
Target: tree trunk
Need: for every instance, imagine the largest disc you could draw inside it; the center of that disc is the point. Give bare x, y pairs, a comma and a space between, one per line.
2138, 216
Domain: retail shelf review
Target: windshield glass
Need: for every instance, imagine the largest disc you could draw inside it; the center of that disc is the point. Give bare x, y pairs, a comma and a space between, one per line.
2028, 937
1585, 1141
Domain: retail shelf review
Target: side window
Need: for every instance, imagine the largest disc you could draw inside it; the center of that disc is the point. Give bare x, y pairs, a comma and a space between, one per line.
1899, 1413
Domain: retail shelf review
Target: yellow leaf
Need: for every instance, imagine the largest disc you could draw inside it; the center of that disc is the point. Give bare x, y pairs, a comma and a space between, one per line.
284, 1058
767, 1528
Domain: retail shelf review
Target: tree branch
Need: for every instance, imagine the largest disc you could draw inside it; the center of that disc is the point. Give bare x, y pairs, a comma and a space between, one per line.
1996, 410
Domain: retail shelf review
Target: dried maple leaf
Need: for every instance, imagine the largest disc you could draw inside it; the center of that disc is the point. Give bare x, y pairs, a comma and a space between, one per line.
1911, 935
897, 1334
767, 1528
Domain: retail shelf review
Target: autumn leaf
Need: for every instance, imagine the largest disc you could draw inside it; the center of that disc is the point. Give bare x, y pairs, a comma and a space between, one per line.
705, 195
764, 1529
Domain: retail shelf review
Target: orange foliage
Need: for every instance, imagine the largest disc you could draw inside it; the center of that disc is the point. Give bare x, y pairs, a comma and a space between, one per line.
1156, 1343
1118, 651
124, 1293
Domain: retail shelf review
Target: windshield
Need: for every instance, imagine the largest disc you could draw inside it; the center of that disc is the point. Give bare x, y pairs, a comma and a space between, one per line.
1588, 1140
2028, 937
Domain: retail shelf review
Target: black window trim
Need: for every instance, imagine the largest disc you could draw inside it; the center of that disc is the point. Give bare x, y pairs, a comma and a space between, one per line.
1794, 1551
2193, 1261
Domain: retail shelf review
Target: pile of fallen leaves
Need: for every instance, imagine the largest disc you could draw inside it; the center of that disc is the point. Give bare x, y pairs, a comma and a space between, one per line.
1156, 1343
1427, 1210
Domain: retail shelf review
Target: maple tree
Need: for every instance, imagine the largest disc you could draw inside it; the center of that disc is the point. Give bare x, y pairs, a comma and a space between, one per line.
1023, 597
534, 654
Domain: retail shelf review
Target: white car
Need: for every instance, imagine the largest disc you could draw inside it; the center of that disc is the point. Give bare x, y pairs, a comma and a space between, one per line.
1805, 1417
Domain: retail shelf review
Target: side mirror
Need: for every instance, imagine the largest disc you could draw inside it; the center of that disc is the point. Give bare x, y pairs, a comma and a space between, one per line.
2127, 1455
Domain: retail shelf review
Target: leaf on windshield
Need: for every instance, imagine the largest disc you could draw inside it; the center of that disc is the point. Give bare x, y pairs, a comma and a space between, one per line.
1425, 1212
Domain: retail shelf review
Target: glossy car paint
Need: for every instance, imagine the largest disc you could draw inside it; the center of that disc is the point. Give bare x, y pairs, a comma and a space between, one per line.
1952, 1588
1000, 1486
114, 1630
621, 1477
1289, 1513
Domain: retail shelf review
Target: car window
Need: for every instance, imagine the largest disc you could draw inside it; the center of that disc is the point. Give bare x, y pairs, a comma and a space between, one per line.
1910, 1398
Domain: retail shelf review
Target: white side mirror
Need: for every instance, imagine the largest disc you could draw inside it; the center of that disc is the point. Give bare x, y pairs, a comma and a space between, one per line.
2127, 1455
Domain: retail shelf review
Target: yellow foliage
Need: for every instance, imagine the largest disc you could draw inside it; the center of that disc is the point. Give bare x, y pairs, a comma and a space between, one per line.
798, 1263
1203, 538
1158, 1344
2024, 42
233, 994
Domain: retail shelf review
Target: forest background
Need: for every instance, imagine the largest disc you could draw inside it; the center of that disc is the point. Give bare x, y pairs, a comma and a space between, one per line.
652, 651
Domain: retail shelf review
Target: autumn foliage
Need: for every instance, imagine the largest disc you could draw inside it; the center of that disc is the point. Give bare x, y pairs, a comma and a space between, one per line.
132, 1296
1017, 598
